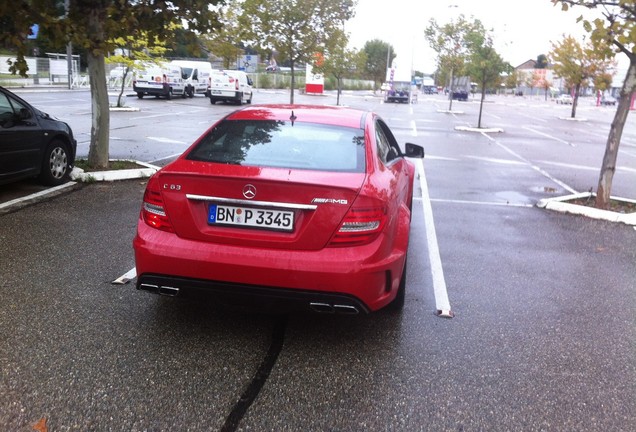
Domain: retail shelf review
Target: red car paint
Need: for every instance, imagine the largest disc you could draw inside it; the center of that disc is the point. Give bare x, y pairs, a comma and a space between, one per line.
346, 250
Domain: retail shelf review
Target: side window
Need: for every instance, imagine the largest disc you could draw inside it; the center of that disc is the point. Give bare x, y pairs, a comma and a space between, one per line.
395, 150
6, 109
388, 148
382, 145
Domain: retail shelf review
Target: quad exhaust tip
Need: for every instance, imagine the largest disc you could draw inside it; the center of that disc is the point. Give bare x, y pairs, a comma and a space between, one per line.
161, 290
319, 307
327, 308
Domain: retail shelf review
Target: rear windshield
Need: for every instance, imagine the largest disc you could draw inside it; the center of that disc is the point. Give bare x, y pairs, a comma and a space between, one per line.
283, 144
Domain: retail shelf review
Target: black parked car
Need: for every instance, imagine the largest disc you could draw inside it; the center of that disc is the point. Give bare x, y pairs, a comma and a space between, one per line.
32, 143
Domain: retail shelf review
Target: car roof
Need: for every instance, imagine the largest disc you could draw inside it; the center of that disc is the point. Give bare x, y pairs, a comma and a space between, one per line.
330, 115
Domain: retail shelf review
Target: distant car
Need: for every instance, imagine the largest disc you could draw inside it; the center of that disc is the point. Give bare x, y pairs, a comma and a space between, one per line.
564, 99
608, 100
461, 95
230, 86
304, 207
32, 143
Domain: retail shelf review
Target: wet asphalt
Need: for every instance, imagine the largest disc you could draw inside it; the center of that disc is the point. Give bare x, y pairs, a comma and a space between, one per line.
543, 337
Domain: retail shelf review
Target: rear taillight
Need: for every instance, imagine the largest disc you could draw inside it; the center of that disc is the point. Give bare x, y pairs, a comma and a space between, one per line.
153, 210
362, 223
236, 84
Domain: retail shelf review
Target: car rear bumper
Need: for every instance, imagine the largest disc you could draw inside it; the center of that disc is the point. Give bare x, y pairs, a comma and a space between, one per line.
365, 277
255, 297
222, 95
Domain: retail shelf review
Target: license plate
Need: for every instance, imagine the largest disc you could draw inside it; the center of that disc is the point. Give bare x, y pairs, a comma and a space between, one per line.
280, 220
216, 92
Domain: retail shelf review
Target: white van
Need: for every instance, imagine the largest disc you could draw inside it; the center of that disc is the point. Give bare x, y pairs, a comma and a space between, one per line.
196, 76
159, 81
230, 86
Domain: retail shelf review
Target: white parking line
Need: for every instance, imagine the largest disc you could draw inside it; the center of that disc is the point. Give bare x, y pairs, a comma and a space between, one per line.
548, 136
126, 277
165, 158
531, 165
442, 303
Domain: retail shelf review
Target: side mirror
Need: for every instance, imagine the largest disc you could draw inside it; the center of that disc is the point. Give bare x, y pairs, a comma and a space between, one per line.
414, 151
24, 114
249, 81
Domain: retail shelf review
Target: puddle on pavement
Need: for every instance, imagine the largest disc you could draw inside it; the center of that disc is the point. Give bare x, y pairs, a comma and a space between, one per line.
513, 197
544, 189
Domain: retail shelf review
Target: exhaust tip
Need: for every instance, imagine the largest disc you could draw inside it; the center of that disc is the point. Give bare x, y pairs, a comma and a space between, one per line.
322, 308
168, 291
327, 308
158, 289
346, 309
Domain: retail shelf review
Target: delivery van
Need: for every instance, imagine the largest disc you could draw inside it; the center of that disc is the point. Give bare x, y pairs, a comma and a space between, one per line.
159, 81
230, 86
195, 75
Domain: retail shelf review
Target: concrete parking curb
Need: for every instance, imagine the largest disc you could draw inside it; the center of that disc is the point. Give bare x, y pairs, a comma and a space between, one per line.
19, 203
560, 204
475, 129
113, 175
78, 177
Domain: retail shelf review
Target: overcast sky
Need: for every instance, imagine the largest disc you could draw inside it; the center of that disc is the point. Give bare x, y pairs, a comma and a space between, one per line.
522, 29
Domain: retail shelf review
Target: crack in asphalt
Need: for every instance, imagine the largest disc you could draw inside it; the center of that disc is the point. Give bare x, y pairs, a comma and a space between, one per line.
258, 380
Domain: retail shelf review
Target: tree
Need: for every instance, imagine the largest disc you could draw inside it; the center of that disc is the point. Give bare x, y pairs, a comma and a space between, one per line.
513, 80
339, 61
577, 64
379, 55
226, 41
452, 42
616, 29
485, 66
296, 29
94, 25
132, 53
542, 62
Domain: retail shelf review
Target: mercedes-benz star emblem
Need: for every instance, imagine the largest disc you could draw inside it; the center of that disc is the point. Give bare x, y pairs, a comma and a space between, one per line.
249, 191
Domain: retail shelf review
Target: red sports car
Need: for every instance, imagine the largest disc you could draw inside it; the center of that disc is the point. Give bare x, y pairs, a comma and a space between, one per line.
283, 205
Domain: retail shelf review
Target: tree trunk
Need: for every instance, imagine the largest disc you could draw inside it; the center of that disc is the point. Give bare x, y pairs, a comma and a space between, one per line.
100, 126
450, 91
124, 75
575, 99
608, 168
293, 83
481, 104
339, 91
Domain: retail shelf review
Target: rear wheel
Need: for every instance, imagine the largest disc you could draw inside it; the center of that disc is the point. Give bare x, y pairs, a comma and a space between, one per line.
212, 101
140, 95
55, 164
169, 94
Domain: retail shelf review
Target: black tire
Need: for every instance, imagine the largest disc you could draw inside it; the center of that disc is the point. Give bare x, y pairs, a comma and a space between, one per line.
249, 101
169, 94
55, 164
212, 101
140, 95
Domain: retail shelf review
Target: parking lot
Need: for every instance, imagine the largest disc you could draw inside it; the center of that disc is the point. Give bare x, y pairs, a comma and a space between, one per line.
543, 332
